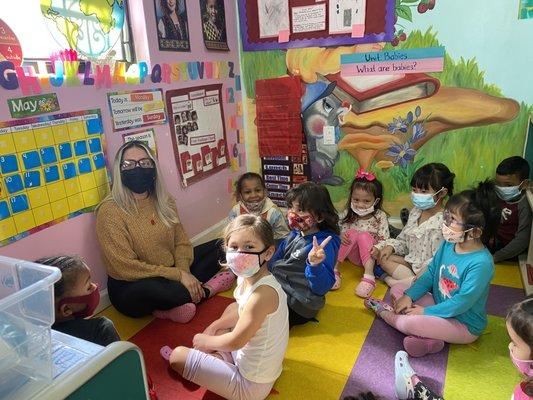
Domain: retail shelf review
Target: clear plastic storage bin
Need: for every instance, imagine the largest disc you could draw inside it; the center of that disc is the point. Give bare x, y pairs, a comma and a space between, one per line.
26, 316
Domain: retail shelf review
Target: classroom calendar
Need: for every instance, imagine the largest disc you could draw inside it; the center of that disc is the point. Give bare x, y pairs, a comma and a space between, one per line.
51, 168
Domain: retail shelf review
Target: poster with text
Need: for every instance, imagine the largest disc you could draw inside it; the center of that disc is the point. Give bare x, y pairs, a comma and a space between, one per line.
146, 136
136, 109
214, 24
172, 25
198, 131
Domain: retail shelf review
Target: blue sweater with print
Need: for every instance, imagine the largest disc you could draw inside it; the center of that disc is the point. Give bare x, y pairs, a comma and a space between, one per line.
305, 284
459, 283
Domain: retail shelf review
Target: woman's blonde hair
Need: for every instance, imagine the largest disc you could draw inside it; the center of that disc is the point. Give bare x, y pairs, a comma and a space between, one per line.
123, 197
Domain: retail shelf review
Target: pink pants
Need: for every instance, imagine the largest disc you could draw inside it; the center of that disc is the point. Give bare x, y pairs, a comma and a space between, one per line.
447, 329
222, 377
358, 251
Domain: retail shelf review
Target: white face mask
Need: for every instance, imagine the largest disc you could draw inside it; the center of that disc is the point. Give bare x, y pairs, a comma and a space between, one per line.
362, 211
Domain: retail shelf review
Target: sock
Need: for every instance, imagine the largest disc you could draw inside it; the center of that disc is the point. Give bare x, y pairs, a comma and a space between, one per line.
419, 347
181, 314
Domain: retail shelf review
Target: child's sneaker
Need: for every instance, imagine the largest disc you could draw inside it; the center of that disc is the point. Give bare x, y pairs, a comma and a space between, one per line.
378, 306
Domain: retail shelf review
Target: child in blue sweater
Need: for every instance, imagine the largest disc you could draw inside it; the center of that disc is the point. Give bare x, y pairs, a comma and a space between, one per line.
303, 263
457, 279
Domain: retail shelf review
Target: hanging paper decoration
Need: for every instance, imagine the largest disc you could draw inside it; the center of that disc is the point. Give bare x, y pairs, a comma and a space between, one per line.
10, 49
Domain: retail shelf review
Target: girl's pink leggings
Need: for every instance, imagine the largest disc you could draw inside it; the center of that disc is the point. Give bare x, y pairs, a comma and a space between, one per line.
358, 251
447, 329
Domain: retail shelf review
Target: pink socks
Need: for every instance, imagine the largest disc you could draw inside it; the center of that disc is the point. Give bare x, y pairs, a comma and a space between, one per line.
181, 314
419, 347
221, 282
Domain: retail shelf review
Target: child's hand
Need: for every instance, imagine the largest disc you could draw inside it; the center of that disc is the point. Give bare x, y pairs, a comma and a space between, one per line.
374, 253
211, 330
199, 342
344, 239
317, 253
385, 253
402, 304
415, 310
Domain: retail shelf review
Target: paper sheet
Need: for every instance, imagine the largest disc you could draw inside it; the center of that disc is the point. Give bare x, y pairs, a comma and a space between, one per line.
273, 17
309, 18
343, 14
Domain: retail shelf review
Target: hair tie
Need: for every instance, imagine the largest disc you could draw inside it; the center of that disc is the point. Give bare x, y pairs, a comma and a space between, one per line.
362, 174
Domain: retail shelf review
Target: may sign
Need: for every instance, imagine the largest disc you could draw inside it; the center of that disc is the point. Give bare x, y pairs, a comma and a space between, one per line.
33, 105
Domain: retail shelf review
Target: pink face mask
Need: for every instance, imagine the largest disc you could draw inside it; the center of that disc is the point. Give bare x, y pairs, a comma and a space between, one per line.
91, 300
453, 236
524, 366
300, 223
244, 264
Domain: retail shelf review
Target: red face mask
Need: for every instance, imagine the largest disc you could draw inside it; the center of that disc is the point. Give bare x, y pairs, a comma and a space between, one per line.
91, 300
300, 223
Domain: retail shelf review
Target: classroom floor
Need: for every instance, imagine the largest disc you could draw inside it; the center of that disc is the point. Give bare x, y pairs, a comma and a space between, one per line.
350, 351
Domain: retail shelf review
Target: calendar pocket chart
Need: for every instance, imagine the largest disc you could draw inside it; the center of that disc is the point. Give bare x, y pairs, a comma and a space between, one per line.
51, 168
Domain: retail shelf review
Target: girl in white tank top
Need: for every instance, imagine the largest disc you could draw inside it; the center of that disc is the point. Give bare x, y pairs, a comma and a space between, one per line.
240, 355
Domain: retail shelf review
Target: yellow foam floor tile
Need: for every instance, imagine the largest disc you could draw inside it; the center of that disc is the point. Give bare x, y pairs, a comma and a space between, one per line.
482, 370
321, 355
126, 326
507, 274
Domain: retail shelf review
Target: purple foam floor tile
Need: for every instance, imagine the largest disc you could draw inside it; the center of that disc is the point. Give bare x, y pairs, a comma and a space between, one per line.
501, 298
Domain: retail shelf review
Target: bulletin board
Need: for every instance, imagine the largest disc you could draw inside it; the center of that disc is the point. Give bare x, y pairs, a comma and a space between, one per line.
198, 131
51, 168
320, 29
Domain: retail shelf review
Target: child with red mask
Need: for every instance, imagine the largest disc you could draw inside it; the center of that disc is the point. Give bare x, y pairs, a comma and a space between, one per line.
303, 263
76, 298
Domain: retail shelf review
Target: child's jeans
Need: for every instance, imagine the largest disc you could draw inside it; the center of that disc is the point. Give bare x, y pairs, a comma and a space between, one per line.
358, 251
222, 377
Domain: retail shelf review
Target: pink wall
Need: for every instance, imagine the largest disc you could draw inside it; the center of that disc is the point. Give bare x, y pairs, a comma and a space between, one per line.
200, 205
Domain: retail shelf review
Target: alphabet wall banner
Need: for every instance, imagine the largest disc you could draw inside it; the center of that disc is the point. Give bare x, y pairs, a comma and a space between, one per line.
33, 105
137, 109
83, 73
198, 131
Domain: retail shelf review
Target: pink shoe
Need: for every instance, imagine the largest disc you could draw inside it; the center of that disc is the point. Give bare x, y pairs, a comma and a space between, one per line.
366, 286
337, 284
221, 282
165, 352
376, 305
181, 314
419, 347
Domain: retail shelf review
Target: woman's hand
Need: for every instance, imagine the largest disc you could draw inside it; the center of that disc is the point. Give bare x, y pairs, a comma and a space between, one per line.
193, 285
402, 304
317, 253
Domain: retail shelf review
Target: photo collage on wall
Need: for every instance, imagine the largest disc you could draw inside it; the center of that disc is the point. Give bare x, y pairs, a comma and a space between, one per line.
198, 131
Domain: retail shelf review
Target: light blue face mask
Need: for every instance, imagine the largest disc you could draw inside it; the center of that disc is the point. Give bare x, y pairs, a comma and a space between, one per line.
424, 201
507, 193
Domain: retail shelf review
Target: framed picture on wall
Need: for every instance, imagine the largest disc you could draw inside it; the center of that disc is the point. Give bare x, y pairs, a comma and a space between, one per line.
214, 24
172, 25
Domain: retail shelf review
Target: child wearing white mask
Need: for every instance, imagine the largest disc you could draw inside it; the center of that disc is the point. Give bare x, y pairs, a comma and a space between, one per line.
363, 224
408, 256
240, 355
447, 303
512, 237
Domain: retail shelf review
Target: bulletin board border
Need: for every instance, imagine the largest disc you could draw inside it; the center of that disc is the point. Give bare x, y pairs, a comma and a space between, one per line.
329, 41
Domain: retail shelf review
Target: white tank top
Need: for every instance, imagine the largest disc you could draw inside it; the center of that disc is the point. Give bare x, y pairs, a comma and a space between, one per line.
261, 359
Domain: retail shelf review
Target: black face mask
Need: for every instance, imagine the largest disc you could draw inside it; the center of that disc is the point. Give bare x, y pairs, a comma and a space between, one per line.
139, 180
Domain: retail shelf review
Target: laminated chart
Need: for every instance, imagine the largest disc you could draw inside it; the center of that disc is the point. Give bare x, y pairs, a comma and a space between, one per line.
51, 168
